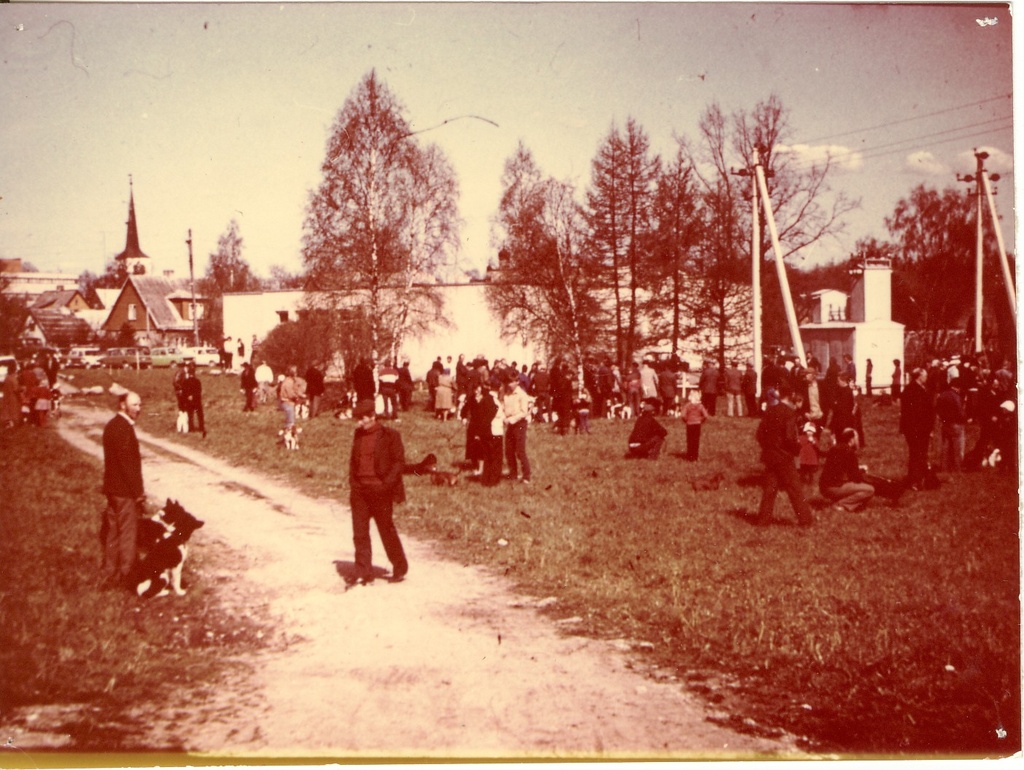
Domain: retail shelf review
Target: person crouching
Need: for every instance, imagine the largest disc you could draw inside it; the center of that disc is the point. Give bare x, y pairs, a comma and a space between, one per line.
647, 437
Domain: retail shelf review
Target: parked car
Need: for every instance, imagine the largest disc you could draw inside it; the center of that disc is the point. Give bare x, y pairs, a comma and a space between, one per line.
172, 356
126, 358
202, 356
83, 358
7, 364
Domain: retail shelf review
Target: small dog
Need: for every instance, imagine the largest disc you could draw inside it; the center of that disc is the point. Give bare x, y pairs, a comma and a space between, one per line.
164, 539
182, 422
302, 412
290, 436
445, 478
427, 465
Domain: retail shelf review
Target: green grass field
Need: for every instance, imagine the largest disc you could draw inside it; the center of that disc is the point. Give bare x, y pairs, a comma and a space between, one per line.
891, 632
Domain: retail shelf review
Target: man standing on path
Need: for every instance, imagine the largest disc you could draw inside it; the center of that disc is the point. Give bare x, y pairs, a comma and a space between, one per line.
375, 485
778, 436
122, 484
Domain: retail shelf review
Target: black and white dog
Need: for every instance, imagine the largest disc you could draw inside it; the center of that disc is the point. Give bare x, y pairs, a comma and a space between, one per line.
163, 544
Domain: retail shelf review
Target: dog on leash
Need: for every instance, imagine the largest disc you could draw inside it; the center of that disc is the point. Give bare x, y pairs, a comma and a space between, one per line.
290, 436
163, 540
182, 422
302, 411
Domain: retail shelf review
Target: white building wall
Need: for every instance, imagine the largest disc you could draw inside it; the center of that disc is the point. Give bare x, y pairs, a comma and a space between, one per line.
882, 342
473, 328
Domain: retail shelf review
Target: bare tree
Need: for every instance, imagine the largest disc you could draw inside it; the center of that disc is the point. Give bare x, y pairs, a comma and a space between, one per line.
805, 209
620, 211
673, 303
383, 214
546, 287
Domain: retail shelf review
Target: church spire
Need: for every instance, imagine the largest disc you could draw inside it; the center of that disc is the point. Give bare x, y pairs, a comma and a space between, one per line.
133, 253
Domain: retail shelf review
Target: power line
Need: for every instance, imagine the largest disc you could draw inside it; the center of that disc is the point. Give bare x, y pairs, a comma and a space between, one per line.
872, 152
916, 117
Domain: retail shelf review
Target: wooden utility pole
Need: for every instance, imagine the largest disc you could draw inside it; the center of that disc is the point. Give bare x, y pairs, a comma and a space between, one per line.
981, 179
192, 278
780, 267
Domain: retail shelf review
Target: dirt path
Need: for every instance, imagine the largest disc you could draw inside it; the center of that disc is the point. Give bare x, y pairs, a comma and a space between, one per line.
449, 663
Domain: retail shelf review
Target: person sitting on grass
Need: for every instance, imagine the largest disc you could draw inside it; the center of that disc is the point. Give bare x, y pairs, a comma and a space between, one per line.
842, 479
647, 437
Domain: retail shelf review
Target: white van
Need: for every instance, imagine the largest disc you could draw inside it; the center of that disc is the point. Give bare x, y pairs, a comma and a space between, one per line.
84, 358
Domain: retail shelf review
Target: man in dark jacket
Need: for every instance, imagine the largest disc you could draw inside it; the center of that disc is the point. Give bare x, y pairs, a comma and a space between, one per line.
778, 436
917, 417
192, 388
647, 437
363, 382
375, 485
249, 385
122, 484
842, 479
314, 389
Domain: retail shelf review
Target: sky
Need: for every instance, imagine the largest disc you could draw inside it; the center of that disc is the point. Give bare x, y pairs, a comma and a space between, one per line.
223, 111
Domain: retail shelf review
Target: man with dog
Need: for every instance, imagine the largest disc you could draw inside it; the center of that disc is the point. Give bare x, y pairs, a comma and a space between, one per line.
122, 484
375, 485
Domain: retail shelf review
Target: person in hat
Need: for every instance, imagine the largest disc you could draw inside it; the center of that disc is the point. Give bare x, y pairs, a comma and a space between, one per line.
808, 455
647, 437
375, 485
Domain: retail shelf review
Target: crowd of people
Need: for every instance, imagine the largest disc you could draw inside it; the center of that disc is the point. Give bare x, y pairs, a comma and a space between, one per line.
810, 421
30, 391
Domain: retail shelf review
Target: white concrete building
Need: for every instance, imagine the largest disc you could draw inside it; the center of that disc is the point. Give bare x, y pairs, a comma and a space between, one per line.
866, 332
472, 329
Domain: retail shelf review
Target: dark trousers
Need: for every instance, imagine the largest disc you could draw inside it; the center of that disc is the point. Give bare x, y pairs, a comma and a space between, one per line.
710, 401
515, 449
918, 461
783, 476
118, 532
492, 461
404, 396
250, 401
375, 503
195, 413
752, 410
390, 396
693, 442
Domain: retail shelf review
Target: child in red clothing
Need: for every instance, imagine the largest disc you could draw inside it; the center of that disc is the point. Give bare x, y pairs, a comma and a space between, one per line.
808, 452
694, 414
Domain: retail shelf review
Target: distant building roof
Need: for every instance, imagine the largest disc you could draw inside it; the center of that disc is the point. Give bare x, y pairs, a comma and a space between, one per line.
53, 300
60, 328
156, 294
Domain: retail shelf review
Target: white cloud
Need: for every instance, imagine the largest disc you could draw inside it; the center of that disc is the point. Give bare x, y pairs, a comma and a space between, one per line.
842, 158
925, 162
997, 162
